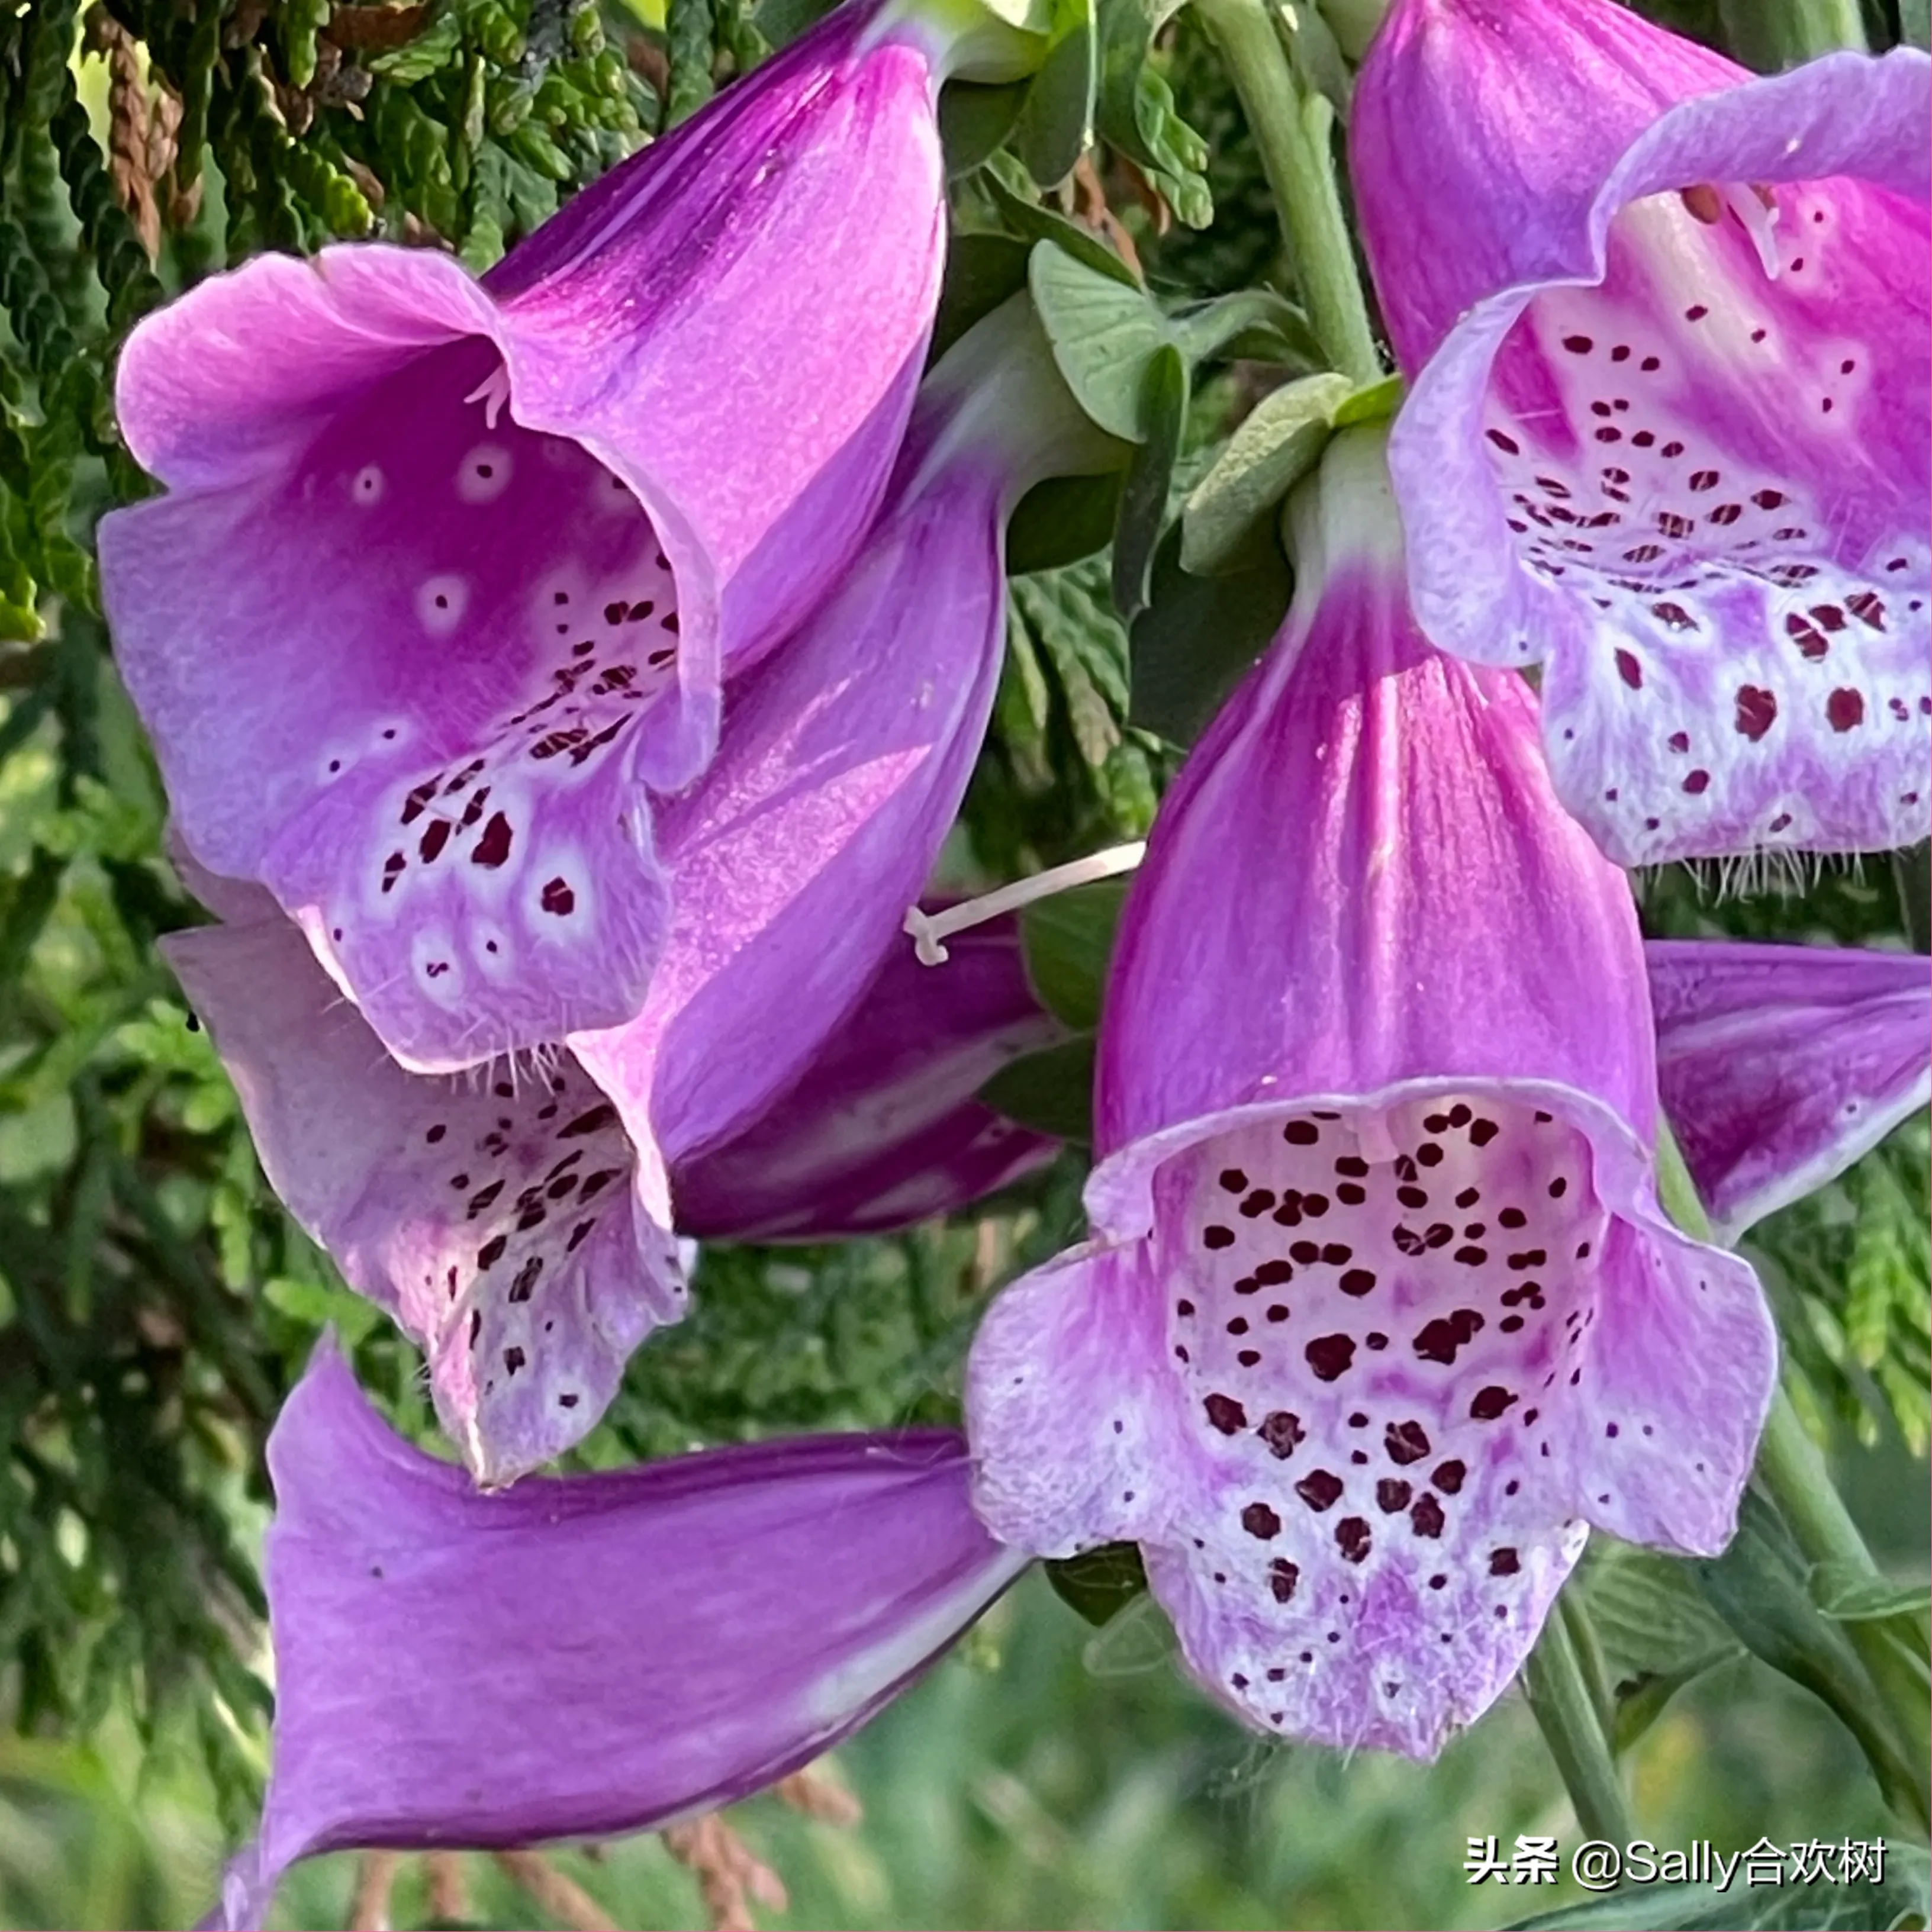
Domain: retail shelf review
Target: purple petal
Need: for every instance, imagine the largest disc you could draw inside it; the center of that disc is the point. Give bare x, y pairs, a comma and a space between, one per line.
883, 1129
793, 863
589, 1655
1538, 106
1780, 1066
498, 1218
1678, 444
453, 540
1385, 1311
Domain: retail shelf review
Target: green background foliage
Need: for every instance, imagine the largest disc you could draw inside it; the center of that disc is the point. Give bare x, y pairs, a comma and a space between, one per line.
155, 1303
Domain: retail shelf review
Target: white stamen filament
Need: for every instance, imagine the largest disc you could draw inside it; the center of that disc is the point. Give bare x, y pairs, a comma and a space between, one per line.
493, 392
1757, 214
928, 929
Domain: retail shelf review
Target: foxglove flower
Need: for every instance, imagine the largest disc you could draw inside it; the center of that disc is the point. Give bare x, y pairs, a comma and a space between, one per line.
1380, 1312
588, 1655
883, 1128
447, 570
1780, 1066
497, 1221
518, 1224
1667, 329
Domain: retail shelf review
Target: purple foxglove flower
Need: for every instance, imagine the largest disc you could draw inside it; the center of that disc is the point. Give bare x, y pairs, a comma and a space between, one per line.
1667, 327
448, 571
883, 1128
517, 1223
1380, 1311
587, 1655
844, 762
1779, 1066
496, 1221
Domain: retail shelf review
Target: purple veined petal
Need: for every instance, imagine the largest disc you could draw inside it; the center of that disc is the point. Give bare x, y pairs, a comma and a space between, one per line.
843, 763
1383, 1313
586, 1655
502, 1220
440, 585
1780, 1066
1679, 450
883, 1129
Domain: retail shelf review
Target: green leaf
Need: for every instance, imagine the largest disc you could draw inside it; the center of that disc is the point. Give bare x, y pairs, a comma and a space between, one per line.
1654, 1630
1892, 1903
1068, 939
432, 50
1104, 332
1848, 1595
1375, 403
1230, 521
982, 271
974, 119
1757, 1586
1002, 180
1100, 1583
1052, 1091
1197, 637
1149, 476
1255, 323
1055, 127
1135, 111
1061, 521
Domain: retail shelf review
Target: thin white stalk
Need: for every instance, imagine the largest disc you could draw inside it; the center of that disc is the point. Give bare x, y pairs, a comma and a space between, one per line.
929, 930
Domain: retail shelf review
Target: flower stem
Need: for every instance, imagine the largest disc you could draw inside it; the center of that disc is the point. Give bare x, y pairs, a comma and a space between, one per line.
1291, 131
928, 929
1560, 1697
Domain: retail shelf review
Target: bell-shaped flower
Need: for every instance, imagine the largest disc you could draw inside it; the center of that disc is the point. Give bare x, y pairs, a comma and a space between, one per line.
518, 1223
587, 1655
496, 1221
1780, 1066
883, 1128
1667, 330
448, 571
1380, 1312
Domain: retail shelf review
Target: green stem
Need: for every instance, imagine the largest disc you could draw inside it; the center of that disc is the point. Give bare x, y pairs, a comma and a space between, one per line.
1791, 1472
1291, 129
1560, 1698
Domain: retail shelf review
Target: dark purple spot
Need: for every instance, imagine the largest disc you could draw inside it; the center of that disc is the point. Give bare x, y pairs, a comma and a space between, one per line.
1426, 1519
1281, 1430
1282, 1577
1845, 708
1406, 1442
1393, 1494
1226, 1413
1757, 711
1301, 1133
1218, 1237
1352, 1538
1490, 1402
558, 897
1440, 1339
1504, 1563
1448, 1476
1630, 671
1259, 1520
1330, 1355
1319, 1490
